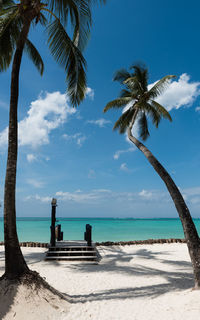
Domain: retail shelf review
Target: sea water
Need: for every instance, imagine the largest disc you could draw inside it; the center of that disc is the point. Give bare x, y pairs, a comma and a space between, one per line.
109, 229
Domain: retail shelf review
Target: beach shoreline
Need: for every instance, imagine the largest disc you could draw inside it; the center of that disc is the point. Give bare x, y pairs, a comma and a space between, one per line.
106, 243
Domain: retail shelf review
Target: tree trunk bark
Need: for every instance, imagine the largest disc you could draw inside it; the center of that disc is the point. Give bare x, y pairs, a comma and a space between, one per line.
15, 264
190, 232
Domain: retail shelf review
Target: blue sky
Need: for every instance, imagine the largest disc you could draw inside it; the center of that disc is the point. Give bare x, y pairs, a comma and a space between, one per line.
73, 154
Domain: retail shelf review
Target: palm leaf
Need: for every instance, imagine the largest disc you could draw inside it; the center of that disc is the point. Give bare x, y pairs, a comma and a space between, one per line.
69, 57
153, 113
125, 93
117, 103
141, 74
165, 114
5, 4
143, 126
80, 17
121, 75
43, 19
124, 121
34, 56
159, 87
10, 25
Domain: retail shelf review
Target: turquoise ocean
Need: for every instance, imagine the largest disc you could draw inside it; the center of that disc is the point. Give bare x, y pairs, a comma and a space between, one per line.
109, 229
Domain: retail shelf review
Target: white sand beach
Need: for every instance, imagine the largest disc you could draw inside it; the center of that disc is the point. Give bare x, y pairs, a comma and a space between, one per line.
138, 282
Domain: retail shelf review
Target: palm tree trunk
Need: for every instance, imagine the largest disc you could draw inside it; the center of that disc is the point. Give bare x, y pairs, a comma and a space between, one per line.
190, 232
15, 264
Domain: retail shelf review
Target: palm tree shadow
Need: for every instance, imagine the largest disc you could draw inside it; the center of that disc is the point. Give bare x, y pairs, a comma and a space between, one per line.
8, 291
180, 278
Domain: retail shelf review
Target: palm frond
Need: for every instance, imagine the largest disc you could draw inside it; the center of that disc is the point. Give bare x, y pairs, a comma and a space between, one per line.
124, 121
42, 19
141, 74
79, 13
159, 87
10, 25
143, 126
153, 113
143, 104
34, 56
134, 85
4, 4
164, 113
125, 93
117, 103
121, 75
68, 56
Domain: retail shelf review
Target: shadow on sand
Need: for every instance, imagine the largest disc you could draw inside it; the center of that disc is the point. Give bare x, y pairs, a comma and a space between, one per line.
181, 279
113, 262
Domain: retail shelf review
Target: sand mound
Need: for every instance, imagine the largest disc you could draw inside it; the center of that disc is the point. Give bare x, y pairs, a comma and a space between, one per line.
21, 301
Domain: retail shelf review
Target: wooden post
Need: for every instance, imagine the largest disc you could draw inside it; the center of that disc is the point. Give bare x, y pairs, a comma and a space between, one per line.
88, 234
53, 221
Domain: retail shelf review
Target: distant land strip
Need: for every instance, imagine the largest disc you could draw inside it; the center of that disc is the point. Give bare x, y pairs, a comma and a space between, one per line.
107, 243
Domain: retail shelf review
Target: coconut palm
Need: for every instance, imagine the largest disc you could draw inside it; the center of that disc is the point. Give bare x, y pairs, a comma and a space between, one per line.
16, 20
139, 105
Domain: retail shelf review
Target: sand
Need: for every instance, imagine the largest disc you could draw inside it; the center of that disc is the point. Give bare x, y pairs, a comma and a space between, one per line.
140, 282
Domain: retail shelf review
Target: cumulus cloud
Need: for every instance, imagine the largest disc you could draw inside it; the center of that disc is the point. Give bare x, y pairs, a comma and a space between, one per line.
124, 167
181, 92
45, 114
146, 194
35, 183
79, 138
31, 157
90, 93
100, 122
118, 153
197, 109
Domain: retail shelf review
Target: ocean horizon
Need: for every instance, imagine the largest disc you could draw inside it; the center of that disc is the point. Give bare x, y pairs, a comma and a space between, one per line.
37, 229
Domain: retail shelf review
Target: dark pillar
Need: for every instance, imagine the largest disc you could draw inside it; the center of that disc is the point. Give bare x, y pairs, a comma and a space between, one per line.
53, 222
88, 234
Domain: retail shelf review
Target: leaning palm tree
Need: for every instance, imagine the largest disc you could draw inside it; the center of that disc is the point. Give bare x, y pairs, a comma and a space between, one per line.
16, 20
139, 104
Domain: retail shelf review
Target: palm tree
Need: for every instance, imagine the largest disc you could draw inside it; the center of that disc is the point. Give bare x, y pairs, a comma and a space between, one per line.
16, 19
140, 104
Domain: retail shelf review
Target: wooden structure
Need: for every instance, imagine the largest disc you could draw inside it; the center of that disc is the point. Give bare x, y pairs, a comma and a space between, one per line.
72, 251
76, 250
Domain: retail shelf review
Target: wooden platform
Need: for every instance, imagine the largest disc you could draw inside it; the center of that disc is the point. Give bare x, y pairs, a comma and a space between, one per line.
74, 250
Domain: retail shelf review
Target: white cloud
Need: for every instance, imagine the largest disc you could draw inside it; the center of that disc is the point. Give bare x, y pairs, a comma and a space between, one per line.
35, 183
100, 122
104, 195
79, 138
120, 152
179, 93
4, 137
31, 157
146, 194
77, 196
3, 105
124, 167
46, 113
100, 196
39, 198
90, 93
197, 109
